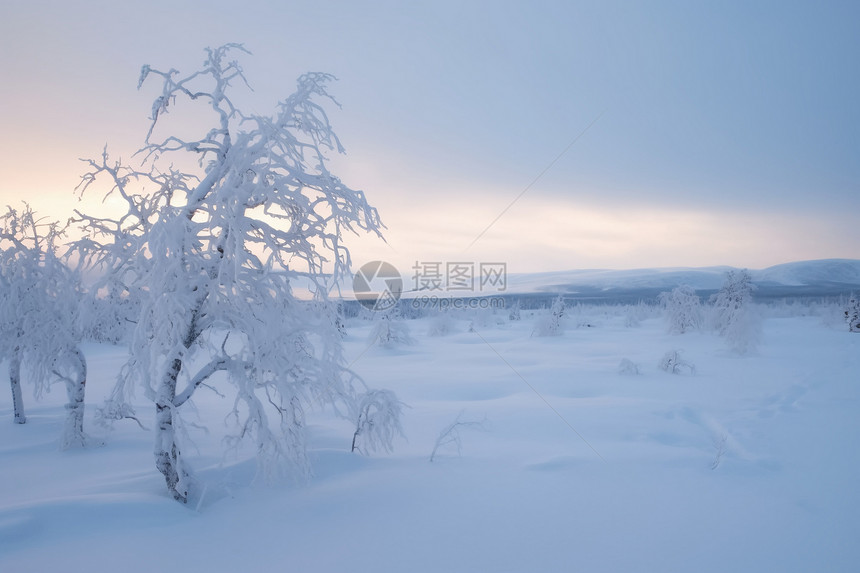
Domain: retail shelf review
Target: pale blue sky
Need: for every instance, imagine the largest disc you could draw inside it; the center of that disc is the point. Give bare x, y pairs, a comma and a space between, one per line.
728, 134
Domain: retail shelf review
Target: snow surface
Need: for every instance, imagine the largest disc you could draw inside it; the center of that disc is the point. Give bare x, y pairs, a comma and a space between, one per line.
601, 471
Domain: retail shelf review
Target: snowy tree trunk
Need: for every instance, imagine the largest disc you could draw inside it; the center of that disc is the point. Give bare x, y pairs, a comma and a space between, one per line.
167, 453
76, 390
15, 381
166, 450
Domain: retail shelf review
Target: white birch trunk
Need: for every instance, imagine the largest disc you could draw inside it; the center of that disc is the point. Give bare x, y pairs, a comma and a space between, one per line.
15, 381
167, 454
76, 390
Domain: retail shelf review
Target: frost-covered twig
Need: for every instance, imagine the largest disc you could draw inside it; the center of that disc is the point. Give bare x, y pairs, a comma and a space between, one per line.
720, 450
450, 434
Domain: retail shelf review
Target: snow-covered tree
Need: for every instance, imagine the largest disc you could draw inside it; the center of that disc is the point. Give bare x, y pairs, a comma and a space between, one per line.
389, 331
39, 311
683, 309
852, 314
215, 253
551, 324
733, 313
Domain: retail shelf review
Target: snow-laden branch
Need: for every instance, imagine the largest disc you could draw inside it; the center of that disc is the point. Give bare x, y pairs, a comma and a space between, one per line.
202, 375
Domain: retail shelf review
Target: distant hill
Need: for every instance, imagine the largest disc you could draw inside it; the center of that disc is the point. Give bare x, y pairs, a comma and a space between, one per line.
822, 272
828, 277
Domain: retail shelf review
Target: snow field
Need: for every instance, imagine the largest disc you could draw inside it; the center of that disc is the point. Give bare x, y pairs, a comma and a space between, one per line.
574, 466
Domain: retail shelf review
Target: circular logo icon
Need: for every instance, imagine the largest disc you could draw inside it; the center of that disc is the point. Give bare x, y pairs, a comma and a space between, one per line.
377, 285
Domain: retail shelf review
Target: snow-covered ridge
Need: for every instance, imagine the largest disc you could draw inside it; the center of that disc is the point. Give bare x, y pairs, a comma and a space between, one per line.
826, 272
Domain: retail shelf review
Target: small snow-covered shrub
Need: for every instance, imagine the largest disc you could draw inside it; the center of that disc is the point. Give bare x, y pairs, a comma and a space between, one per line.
378, 422
628, 367
674, 364
388, 332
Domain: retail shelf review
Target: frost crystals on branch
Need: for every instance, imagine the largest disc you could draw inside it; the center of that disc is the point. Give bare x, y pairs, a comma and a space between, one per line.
214, 253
